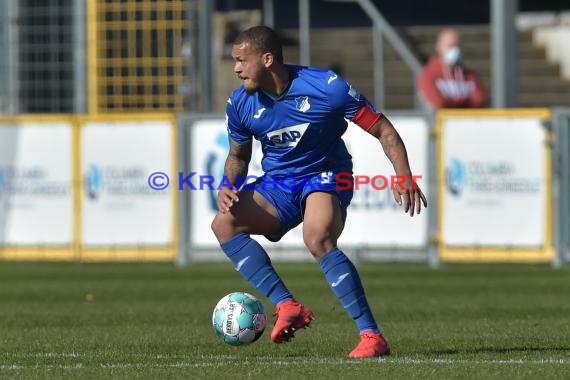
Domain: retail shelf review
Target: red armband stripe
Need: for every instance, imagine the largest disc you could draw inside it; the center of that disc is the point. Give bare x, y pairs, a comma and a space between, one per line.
365, 118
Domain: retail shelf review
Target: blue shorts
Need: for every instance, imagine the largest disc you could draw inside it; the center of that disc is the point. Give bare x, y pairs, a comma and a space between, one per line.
288, 194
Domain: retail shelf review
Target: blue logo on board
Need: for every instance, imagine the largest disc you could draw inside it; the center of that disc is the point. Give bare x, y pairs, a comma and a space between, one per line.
456, 177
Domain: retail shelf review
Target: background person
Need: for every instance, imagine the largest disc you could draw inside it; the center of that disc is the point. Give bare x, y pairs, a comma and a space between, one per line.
445, 82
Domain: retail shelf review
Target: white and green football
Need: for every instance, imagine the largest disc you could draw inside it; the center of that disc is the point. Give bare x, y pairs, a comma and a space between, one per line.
239, 319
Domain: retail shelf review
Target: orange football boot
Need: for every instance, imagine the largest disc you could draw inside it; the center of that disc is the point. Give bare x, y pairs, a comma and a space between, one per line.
291, 316
371, 345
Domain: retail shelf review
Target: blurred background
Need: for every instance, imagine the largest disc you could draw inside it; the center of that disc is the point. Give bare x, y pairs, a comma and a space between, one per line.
97, 95
112, 111
116, 56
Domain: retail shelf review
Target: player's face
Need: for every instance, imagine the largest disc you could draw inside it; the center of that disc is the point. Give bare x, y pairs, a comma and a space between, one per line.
250, 66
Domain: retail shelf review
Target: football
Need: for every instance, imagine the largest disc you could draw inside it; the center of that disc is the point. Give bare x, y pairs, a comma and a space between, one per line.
239, 318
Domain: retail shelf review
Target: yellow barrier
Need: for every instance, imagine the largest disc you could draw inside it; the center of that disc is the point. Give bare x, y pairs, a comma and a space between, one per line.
76, 249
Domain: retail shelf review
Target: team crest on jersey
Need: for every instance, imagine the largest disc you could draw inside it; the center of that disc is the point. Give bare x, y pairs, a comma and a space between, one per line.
303, 104
288, 136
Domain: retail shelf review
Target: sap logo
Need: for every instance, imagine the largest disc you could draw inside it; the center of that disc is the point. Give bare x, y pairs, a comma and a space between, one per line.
287, 137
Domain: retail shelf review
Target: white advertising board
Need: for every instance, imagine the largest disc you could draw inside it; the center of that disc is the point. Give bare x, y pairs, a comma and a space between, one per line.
36, 199
208, 149
494, 181
373, 218
119, 206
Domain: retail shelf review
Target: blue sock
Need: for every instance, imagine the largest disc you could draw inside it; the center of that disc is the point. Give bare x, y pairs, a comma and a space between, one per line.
345, 284
253, 263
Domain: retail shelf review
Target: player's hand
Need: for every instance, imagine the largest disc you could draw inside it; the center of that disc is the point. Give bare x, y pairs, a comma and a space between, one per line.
411, 195
226, 199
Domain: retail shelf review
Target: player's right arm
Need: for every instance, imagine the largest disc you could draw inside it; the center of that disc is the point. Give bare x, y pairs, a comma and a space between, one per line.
236, 167
237, 163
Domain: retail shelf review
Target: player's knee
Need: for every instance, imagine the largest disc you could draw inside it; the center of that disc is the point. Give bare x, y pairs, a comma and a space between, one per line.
215, 226
318, 243
222, 228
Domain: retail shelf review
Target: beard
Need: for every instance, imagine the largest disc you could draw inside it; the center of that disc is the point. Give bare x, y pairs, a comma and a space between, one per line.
250, 90
250, 86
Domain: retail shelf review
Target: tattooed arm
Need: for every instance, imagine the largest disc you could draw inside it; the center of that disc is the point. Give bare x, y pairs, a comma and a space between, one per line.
395, 150
235, 171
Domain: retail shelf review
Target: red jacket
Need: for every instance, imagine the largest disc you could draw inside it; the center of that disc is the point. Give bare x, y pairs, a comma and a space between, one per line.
450, 87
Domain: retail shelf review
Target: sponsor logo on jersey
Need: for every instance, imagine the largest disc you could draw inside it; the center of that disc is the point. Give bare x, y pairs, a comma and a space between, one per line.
258, 113
288, 136
331, 78
303, 104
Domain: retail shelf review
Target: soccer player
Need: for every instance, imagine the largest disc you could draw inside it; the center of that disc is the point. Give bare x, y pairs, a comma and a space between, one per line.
298, 114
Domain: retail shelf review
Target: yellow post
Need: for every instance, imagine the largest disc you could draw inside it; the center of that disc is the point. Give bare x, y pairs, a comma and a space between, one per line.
77, 187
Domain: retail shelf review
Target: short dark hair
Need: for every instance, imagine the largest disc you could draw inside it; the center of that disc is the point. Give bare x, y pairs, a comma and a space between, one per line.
263, 39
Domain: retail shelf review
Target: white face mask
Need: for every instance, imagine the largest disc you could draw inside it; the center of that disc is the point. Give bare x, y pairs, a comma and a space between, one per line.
452, 56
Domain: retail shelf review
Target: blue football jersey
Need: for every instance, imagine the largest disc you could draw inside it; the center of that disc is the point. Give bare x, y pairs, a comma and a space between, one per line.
300, 131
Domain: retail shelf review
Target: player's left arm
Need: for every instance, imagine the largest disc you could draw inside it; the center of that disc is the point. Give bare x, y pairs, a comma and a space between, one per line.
355, 107
406, 186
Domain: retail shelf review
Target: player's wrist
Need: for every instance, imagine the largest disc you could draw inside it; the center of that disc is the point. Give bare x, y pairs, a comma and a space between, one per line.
227, 187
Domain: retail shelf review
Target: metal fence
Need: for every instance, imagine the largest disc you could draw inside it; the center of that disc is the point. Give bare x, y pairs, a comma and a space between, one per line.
135, 55
37, 56
561, 152
79, 56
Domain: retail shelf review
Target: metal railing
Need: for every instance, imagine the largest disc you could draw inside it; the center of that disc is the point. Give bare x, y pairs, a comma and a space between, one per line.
382, 29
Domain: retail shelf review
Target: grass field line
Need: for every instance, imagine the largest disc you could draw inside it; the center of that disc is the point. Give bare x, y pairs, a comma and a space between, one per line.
43, 354
226, 360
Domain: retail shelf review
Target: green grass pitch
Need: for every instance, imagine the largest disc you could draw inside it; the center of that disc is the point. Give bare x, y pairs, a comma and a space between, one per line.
153, 321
